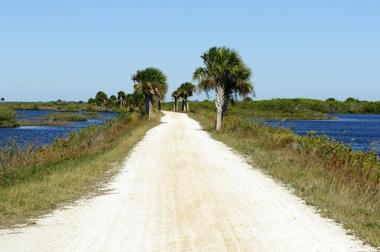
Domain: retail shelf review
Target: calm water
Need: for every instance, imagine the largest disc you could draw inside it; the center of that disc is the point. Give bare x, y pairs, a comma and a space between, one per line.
42, 135
362, 132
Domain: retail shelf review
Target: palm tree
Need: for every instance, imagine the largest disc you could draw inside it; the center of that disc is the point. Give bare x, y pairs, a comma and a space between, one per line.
226, 74
112, 101
185, 91
152, 82
121, 98
101, 98
175, 96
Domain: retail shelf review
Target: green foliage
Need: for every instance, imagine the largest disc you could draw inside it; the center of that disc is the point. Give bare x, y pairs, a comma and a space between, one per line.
67, 117
186, 90
151, 81
112, 101
7, 118
91, 114
331, 105
255, 110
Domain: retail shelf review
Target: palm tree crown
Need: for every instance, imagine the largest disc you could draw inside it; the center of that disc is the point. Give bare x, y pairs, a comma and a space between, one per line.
186, 90
152, 82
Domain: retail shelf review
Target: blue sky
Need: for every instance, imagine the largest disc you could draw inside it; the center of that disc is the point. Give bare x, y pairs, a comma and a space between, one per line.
71, 49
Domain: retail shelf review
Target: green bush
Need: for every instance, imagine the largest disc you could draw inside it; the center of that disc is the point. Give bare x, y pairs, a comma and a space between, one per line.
7, 118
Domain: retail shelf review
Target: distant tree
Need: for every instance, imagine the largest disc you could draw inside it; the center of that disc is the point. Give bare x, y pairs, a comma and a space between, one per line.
91, 101
175, 96
247, 99
185, 91
2, 99
351, 99
152, 83
121, 97
112, 101
101, 98
226, 74
330, 100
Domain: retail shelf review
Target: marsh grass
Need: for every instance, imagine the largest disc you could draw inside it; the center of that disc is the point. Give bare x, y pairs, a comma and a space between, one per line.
34, 182
42, 123
66, 117
7, 118
343, 184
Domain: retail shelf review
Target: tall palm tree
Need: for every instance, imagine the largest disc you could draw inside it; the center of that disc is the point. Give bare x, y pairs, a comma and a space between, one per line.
226, 74
152, 82
185, 91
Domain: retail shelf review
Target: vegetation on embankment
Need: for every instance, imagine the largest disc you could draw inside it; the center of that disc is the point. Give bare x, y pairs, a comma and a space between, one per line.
42, 123
67, 117
54, 105
101, 102
33, 182
249, 110
344, 184
329, 106
300, 108
7, 118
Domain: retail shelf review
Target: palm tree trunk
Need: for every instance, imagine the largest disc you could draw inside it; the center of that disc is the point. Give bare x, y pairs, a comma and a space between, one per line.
219, 102
183, 104
159, 105
175, 104
149, 105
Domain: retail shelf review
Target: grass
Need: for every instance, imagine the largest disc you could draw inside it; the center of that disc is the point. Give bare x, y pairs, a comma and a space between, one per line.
91, 114
36, 182
252, 109
44, 123
343, 184
60, 119
56, 105
7, 118
65, 117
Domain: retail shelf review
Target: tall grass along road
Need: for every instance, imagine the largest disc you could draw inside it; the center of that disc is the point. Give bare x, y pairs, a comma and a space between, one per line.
180, 190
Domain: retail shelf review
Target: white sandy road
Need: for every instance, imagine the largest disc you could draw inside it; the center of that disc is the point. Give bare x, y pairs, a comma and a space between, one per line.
180, 190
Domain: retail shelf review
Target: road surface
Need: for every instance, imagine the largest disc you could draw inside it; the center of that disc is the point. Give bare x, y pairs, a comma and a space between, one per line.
180, 190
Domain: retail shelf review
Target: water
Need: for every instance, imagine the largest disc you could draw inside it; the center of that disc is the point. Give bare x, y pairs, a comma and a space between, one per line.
362, 132
42, 135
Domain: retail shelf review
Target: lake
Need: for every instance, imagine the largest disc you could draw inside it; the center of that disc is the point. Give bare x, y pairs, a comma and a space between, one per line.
42, 135
362, 132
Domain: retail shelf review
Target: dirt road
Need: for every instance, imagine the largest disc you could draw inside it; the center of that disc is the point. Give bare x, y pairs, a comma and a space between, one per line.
180, 190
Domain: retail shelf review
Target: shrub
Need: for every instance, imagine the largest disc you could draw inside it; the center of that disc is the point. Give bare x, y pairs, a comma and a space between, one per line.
7, 118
